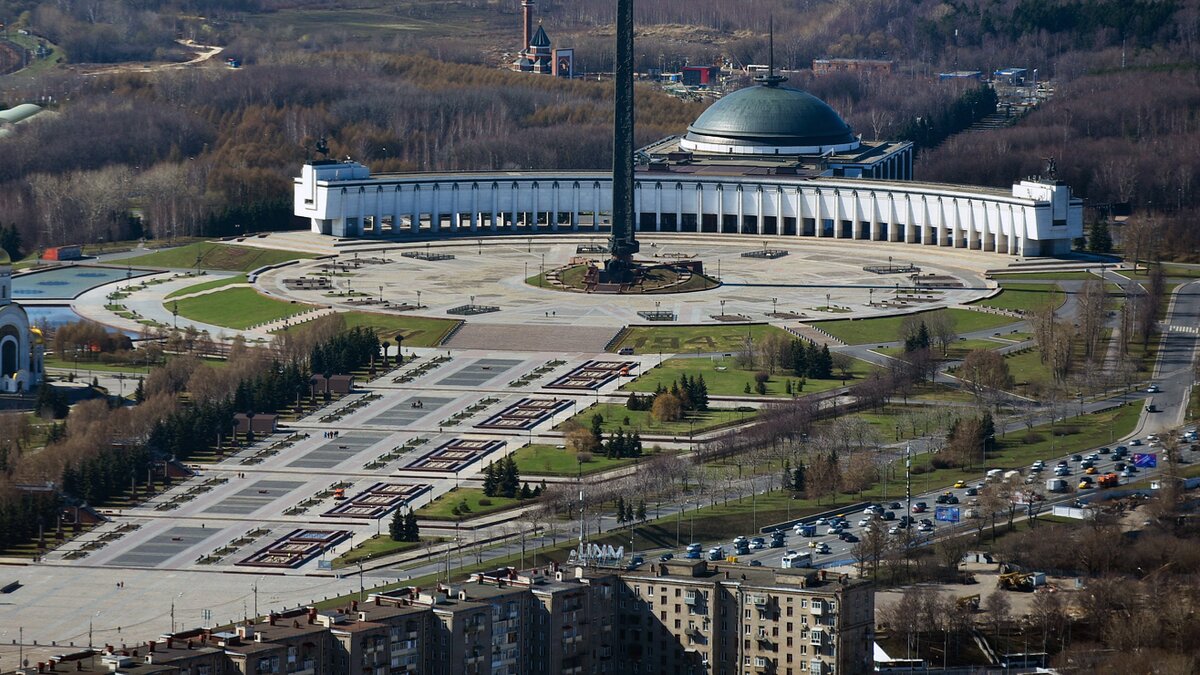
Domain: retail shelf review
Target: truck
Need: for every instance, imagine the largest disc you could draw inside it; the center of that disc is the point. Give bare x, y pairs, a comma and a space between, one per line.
1056, 485
1109, 480
716, 553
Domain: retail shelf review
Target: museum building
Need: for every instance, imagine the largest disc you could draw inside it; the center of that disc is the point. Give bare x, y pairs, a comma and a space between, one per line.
763, 160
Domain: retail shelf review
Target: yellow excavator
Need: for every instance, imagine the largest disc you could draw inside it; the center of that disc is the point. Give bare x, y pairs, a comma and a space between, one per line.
970, 602
1016, 581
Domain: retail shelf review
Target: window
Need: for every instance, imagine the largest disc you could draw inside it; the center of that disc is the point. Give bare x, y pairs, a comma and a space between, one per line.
677, 591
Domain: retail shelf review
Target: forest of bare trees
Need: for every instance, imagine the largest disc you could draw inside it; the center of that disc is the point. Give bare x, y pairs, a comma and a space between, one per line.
198, 151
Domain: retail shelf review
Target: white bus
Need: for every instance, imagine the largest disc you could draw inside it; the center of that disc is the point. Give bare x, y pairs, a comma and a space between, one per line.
794, 559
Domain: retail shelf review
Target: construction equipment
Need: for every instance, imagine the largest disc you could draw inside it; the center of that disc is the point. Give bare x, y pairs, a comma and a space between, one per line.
1016, 581
1109, 480
970, 602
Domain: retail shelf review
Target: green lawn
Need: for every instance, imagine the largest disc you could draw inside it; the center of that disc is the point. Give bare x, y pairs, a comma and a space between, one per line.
99, 366
215, 256
694, 339
1027, 369
1044, 276
887, 329
958, 350
418, 331
379, 545
235, 308
614, 415
547, 460
1024, 297
442, 507
723, 379
1187, 272
214, 283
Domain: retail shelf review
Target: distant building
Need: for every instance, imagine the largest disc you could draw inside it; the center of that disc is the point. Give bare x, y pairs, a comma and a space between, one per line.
536, 56
1011, 76
260, 425
872, 66
961, 75
700, 76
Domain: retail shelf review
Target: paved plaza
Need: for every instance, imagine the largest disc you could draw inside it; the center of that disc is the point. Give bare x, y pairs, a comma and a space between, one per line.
266, 521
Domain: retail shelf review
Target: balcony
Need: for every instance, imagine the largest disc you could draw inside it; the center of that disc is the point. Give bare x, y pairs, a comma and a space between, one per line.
817, 607
693, 598
758, 600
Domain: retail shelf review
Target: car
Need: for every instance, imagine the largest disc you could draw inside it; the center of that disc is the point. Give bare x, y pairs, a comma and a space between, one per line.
849, 538
923, 527
1085, 483
1119, 466
926, 521
635, 561
1131, 468
920, 507
1091, 471
665, 557
972, 491
758, 543
894, 530
1136, 442
1062, 463
756, 563
1126, 472
1153, 389
1104, 451
1087, 464
889, 515
833, 529
1062, 471
1076, 458
942, 499
895, 506
1093, 456
776, 543
822, 548
863, 522
820, 521
958, 485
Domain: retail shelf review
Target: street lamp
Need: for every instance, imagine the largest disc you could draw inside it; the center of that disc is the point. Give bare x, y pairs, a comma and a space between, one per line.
418, 299
722, 309
381, 295
774, 306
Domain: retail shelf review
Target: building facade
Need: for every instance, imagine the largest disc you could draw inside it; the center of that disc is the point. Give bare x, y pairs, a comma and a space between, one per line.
22, 350
680, 617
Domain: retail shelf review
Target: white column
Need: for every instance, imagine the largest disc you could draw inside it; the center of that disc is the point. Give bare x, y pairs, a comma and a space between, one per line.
741, 209
554, 187
495, 206
678, 207
818, 204
658, 207
595, 207
475, 215
575, 206
415, 225
720, 208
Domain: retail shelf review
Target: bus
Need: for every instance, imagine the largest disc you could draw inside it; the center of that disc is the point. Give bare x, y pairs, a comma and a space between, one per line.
794, 559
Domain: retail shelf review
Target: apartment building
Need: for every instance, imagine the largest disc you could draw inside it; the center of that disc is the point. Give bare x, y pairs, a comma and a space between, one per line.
685, 617
688, 617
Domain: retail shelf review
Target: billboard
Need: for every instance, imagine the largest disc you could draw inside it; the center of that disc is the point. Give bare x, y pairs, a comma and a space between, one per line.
947, 514
1145, 460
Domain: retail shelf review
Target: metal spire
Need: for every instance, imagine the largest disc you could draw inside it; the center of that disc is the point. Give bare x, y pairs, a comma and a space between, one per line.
770, 79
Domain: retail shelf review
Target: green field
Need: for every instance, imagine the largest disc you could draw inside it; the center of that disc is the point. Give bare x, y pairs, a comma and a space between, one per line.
1044, 276
958, 350
442, 507
235, 308
215, 283
698, 422
214, 256
418, 331
1024, 297
548, 460
379, 545
36, 67
887, 329
694, 339
1027, 369
1180, 271
723, 379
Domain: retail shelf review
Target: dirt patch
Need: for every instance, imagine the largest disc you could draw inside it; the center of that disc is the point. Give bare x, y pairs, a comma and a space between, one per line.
986, 576
11, 57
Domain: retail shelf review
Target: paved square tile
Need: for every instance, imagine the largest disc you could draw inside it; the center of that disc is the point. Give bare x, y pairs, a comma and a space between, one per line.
163, 547
253, 497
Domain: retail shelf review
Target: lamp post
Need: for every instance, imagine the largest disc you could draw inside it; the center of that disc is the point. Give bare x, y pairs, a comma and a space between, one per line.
381, 295
543, 274
870, 297
774, 306
827, 306
418, 299
722, 309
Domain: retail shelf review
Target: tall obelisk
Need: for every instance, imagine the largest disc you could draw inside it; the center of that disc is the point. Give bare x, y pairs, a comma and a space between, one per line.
622, 244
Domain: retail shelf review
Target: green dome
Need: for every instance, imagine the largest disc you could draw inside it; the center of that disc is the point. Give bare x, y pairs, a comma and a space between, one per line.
764, 116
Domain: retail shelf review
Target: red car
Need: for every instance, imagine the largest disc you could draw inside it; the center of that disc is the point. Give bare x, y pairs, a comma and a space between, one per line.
920, 507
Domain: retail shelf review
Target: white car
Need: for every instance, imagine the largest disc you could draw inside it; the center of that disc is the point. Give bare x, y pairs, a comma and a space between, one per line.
924, 527
863, 522
894, 530
1153, 389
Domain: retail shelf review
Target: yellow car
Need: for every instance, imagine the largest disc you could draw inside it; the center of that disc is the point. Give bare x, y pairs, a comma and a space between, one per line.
1091, 471
960, 485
